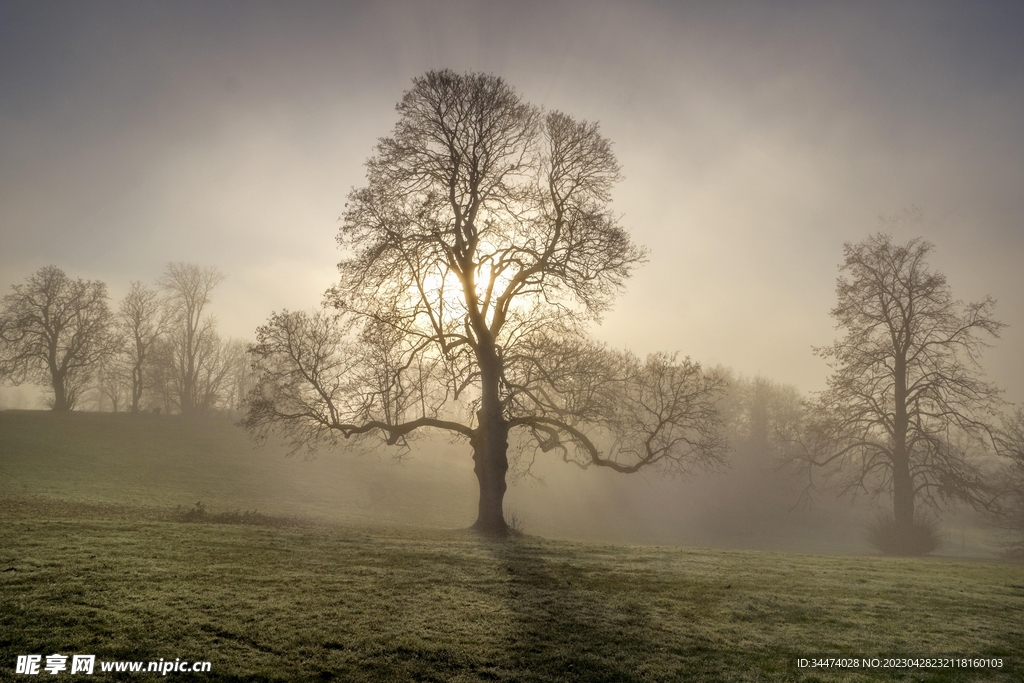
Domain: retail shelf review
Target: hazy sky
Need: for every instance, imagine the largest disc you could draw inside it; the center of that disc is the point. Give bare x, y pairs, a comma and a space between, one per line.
756, 138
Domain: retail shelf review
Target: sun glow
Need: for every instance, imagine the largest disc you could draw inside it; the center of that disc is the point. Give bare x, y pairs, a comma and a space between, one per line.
442, 292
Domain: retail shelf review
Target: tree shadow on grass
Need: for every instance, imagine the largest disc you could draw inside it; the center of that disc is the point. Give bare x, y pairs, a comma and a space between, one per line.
570, 624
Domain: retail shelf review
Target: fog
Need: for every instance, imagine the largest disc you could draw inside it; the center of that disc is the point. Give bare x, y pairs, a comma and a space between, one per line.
755, 140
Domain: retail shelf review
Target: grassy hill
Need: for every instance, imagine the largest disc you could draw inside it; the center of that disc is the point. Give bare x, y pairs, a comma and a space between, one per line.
166, 461
324, 585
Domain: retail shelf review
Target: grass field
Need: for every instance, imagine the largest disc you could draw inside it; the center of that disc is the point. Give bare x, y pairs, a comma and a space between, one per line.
93, 562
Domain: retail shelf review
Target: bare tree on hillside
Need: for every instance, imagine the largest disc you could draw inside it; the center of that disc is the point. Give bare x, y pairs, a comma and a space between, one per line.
192, 342
54, 331
906, 407
141, 320
218, 379
480, 247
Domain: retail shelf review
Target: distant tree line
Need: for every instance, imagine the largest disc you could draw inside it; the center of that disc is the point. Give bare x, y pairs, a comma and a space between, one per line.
158, 351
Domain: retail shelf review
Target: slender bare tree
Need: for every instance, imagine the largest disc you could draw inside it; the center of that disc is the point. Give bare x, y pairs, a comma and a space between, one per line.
907, 408
141, 320
482, 244
191, 334
54, 331
238, 376
216, 381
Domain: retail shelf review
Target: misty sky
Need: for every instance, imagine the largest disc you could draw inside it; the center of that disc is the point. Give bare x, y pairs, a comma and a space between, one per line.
755, 138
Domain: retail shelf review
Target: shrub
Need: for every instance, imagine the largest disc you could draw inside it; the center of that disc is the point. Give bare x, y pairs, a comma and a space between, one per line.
921, 538
514, 523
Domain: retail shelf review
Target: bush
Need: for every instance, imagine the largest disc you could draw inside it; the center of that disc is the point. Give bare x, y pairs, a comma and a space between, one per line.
921, 538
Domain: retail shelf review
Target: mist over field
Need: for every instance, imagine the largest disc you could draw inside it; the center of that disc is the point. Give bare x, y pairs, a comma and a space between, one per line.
163, 463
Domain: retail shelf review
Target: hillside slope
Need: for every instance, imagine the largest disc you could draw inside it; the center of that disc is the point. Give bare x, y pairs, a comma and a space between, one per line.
167, 461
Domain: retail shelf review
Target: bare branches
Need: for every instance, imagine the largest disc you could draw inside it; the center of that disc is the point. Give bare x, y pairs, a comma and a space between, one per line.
609, 409
315, 383
476, 192
141, 321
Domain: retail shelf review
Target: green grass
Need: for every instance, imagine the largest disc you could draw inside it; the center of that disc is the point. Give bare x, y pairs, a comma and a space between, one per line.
321, 602
107, 567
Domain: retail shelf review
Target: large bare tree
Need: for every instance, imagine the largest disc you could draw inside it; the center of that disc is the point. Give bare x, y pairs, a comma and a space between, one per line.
907, 409
54, 331
479, 249
192, 344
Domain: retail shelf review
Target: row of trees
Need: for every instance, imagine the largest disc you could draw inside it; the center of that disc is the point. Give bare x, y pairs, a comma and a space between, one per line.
159, 349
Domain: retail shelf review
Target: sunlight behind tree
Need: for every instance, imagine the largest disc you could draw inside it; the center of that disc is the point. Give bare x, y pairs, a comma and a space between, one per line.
473, 260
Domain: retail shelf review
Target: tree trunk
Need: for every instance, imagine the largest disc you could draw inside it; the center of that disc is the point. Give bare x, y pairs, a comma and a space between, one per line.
60, 397
902, 494
490, 454
136, 388
902, 482
187, 393
490, 465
